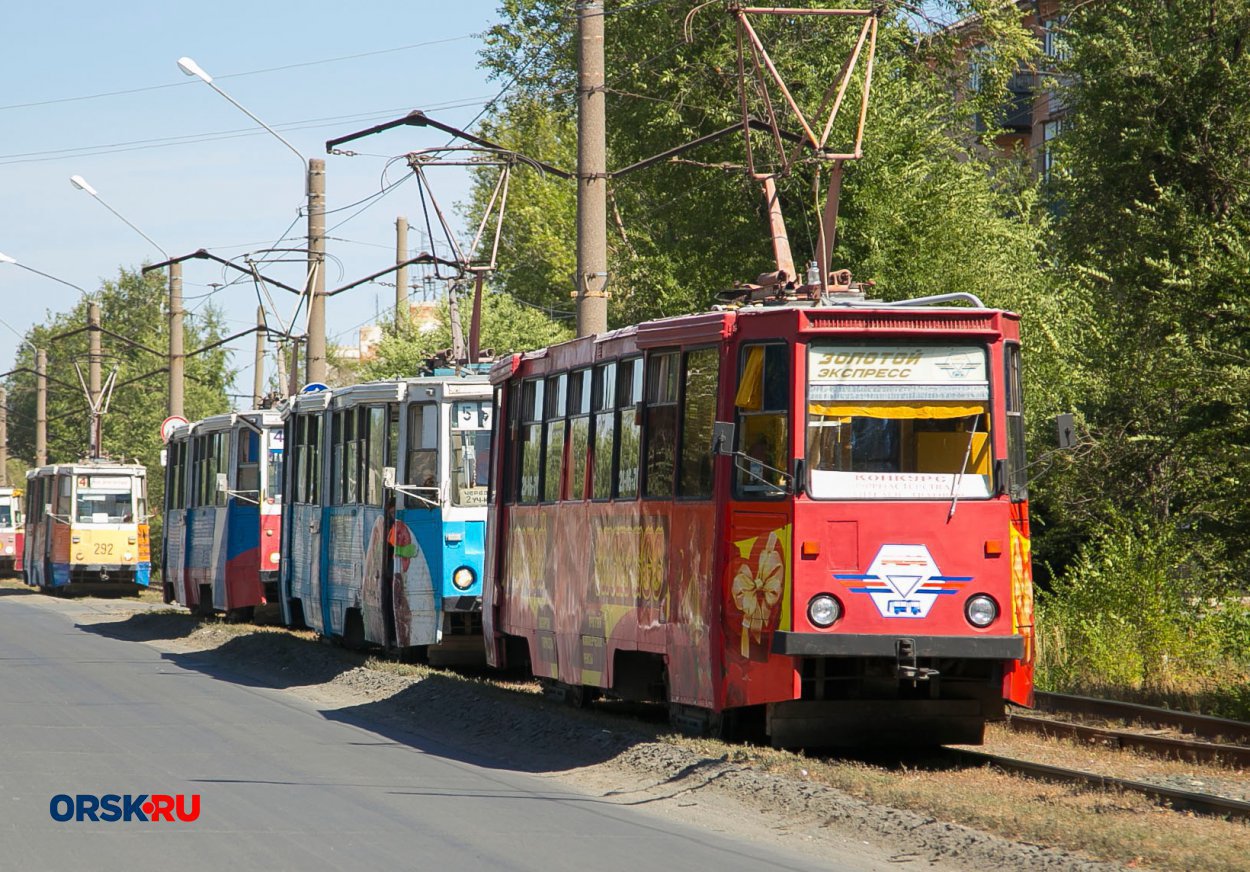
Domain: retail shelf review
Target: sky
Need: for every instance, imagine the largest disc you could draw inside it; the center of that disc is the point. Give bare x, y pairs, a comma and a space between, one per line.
93, 89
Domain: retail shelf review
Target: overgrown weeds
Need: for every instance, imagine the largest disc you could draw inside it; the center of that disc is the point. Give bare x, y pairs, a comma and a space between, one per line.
1134, 618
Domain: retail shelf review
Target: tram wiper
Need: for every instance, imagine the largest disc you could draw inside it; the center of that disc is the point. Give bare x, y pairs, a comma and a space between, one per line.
959, 476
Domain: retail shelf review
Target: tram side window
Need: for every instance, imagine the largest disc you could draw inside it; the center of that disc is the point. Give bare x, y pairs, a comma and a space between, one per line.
1017, 462
555, 426
65, 486
351, 456
531, 441
497, 438
376, 457
661, 412
579, 432
698, 415
249, 464
628, 427
299, 463
603, 401
221, 442
421, 469
307, 465
762, 403
180, 477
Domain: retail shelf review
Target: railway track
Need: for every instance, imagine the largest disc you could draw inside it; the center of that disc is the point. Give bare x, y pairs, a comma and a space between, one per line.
1185, 800
1203, 726
1171, 747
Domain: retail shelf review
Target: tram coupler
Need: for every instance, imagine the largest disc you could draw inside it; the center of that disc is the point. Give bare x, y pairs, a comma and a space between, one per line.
906, 667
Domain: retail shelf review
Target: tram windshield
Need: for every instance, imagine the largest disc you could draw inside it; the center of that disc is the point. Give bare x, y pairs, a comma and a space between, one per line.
470, 452
104, 500
6, 516
898, 422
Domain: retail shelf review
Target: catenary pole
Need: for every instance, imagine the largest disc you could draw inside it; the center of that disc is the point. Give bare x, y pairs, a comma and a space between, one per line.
592, 211
401, 275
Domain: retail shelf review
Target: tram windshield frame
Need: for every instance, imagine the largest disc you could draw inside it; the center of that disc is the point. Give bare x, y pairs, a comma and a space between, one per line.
898, 421
105, 499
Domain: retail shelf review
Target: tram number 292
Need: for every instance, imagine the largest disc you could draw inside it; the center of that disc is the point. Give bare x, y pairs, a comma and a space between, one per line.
104, 548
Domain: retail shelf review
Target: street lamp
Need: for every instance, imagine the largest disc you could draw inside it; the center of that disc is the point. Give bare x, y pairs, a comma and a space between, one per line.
314, 187
4, 258
177, 359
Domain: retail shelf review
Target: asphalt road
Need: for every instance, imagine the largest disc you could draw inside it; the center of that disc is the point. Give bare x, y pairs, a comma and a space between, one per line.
281, 785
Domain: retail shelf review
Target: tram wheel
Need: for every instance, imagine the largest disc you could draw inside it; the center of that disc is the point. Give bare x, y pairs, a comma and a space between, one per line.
240, 615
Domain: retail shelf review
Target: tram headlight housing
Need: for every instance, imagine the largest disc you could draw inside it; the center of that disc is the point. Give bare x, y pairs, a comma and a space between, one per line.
981, 610
823, 610
463, 578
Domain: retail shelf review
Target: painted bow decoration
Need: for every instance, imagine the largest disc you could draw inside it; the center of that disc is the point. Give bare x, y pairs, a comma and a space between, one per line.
757, 592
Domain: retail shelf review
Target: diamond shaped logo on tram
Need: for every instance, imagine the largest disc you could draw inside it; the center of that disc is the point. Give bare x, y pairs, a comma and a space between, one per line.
904, 581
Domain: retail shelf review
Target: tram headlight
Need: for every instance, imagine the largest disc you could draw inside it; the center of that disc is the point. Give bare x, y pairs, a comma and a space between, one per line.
981, 610
823, 610
463, 578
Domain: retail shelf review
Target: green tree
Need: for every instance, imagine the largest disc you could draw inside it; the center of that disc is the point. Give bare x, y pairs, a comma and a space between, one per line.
133, 306
925, 211
1154, 188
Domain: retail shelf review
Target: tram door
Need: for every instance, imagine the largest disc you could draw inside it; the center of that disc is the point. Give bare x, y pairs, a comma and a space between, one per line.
759, 537
390, 447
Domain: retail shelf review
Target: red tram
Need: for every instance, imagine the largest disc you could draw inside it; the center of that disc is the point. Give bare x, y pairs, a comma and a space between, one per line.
806, 520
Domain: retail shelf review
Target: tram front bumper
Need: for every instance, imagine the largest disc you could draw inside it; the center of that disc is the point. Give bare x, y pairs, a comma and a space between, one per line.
888, 645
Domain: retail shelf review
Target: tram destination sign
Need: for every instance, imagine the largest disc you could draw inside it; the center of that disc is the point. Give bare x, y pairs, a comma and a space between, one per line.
896, 373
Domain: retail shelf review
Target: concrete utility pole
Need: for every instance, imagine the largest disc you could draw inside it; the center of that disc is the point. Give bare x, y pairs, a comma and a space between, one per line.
4, 438
592, 167
93, 375
41, 408
401, 275
177, 357
258, 377
293, 375
316, 269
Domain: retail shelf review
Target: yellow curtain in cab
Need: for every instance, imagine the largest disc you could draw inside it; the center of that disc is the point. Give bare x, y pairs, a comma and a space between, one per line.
929, 411
751, 387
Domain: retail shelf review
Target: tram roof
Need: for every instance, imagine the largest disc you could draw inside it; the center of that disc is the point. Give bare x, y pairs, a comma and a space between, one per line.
441, 386
90, 467
864, 320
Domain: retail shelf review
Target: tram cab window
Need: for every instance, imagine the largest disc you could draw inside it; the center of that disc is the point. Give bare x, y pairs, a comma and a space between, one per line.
762, 403
64, 488
421, 468
248, 470
6, 516
274, 441
1017, 462
897, 422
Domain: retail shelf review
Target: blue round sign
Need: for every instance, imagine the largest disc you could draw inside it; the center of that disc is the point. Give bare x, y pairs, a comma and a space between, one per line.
314, 388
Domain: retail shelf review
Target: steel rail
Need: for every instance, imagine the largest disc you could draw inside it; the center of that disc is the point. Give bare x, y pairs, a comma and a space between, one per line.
1200, 803
1168, 747
1206, 726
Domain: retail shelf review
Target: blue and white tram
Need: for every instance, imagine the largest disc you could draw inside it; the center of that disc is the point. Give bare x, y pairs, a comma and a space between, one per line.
385, 511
